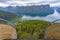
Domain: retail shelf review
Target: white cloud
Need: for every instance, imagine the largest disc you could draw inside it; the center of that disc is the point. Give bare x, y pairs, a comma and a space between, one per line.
55, 4
3, 5
30, 2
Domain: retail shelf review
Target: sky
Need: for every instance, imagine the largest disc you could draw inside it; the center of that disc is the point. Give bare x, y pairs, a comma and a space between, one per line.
4, 3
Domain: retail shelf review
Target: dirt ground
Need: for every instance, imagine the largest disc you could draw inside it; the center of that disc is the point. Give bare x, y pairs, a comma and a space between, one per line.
7, 32
53, 32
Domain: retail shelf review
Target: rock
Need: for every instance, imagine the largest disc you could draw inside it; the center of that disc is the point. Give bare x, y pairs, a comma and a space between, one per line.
53, 32
7, 32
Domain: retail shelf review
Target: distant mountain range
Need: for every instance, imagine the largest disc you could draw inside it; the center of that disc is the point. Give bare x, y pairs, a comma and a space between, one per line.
57, 9
40, 10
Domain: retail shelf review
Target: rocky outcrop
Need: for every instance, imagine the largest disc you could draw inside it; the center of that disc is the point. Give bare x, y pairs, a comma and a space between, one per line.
7, 32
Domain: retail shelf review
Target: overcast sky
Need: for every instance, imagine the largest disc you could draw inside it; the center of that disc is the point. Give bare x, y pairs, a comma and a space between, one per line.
4, 3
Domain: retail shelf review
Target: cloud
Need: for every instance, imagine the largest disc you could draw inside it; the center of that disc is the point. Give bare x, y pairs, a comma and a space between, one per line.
51, 17
29, 2
55, 4
3, 5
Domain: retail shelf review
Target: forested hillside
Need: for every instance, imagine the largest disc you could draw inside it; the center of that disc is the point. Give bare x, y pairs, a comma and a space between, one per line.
31, 29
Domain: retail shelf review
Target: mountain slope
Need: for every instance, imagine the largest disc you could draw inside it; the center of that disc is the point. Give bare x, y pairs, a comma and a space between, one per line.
58, 9
7, 15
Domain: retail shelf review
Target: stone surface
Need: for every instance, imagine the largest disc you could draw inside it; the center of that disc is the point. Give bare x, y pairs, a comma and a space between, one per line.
53, 32
7, 32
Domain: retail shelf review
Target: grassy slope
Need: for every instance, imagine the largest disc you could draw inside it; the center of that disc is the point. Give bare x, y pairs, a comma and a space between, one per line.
7, 15
31, 28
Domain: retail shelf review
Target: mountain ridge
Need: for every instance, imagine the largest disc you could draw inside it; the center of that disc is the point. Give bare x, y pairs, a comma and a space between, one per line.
40, 10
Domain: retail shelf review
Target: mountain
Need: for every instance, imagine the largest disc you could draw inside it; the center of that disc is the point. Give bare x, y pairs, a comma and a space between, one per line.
7, 15
32, 29
58, 9
39, 10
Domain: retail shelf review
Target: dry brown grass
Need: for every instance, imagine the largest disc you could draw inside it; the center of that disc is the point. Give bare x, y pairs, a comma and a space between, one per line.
7, 32
53, 32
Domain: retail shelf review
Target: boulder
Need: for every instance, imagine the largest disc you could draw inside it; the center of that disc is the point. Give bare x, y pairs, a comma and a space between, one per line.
7, 32
53, 32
